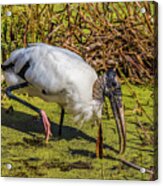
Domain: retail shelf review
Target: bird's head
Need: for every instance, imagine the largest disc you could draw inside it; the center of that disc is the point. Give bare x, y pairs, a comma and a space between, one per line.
114, 93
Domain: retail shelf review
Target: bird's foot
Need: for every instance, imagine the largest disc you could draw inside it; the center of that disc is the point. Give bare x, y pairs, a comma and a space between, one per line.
47, 125
10, 110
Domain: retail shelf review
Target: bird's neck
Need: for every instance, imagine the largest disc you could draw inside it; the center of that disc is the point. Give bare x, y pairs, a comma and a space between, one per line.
98, 89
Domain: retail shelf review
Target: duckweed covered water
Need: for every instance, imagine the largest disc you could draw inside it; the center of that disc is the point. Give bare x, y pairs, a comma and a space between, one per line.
73, 154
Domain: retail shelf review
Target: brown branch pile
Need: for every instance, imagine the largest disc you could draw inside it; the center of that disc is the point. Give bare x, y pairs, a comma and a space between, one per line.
102, 33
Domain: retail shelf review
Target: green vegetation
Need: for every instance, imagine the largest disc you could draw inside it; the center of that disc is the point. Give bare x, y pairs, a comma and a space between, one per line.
104, 34
73, 155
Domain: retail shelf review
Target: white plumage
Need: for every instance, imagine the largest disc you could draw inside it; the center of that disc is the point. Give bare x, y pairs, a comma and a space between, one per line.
63, 76
59, 75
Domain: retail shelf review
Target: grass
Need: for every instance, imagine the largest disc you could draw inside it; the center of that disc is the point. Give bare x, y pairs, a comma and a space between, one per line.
73, 154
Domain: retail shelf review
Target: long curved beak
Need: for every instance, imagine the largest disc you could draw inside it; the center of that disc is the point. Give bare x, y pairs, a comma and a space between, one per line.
118, 111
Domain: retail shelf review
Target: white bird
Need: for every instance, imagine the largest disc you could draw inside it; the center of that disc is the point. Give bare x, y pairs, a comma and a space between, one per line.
59, 75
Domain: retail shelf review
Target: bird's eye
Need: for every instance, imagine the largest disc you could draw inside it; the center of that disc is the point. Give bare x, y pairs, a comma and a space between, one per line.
114, 84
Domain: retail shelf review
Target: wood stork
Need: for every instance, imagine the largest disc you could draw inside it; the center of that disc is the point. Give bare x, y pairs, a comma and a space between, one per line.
58, 75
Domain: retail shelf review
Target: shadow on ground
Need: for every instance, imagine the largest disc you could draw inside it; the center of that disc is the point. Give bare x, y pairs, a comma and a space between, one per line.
29, 124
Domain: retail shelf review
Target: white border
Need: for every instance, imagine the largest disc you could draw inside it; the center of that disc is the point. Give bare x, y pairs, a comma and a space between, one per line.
71, 182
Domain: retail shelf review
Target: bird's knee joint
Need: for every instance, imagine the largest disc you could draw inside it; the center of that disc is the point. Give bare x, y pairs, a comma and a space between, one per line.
44, 92
8, 92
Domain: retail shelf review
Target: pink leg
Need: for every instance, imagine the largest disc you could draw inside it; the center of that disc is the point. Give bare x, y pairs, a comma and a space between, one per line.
47, 125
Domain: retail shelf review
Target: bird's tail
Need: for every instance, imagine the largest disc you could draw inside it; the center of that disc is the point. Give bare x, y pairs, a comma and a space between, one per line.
6, 67
8, 64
